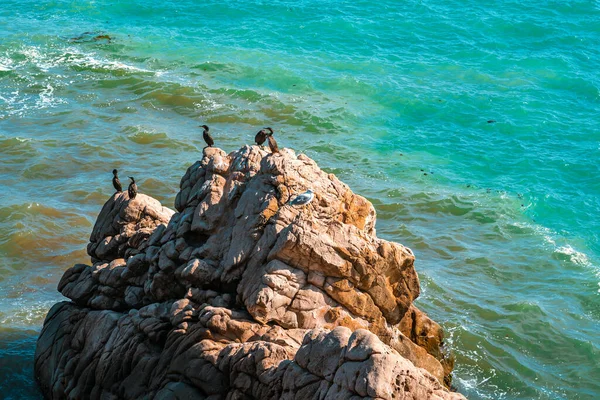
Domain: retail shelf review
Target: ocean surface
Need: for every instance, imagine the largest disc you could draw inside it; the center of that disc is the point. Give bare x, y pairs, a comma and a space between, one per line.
471, 125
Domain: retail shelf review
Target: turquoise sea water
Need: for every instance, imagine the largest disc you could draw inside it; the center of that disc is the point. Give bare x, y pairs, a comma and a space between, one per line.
392, 97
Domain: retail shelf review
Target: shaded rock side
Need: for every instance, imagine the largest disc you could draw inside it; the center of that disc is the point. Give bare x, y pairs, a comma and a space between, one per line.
215, 353
240, 274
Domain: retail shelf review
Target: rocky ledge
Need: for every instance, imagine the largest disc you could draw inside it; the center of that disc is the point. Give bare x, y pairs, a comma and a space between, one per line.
241, 295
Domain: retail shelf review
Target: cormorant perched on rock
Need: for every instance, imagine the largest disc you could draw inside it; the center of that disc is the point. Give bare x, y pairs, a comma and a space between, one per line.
272, 144
207, 138
262, 135
132, 190
116, 181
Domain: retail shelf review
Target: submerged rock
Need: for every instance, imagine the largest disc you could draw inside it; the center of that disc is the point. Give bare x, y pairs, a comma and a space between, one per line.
242, 295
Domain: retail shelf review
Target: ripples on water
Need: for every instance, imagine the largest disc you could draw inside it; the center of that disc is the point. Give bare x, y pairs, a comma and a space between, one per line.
392, 98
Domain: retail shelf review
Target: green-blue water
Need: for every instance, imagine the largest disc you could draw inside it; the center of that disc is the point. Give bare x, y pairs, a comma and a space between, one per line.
392, 97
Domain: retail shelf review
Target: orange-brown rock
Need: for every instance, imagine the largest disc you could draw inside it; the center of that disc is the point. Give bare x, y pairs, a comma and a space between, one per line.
242, 295
124, 224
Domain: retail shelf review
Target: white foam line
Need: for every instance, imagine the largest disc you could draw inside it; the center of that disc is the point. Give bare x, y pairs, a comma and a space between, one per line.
576, 257
579, 258
90, 60
551, 238
70, 56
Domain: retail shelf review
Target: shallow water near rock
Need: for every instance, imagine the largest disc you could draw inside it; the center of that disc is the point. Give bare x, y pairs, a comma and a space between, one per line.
393, 99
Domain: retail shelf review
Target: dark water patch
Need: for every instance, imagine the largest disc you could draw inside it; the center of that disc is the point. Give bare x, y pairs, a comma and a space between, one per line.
96, 37
17, 349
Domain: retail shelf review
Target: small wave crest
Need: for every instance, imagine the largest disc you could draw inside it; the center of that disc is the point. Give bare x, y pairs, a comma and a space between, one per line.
569, 254
576, 257
69, 56
5, 64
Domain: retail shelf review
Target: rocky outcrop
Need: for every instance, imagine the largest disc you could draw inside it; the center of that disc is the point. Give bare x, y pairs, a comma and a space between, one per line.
242, 295
121, 232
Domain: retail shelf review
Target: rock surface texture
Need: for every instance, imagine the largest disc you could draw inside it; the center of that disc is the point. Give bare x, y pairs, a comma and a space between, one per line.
240, 295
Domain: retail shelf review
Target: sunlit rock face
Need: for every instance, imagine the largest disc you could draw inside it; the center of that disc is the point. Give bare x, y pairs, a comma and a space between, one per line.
240, 294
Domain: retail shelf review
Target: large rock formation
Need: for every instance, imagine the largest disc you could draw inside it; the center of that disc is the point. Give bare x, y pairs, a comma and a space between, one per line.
241, 295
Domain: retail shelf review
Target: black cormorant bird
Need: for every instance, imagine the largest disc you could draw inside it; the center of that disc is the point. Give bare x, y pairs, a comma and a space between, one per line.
272, 144
207, 138
116, 181
261, 136
132, 190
